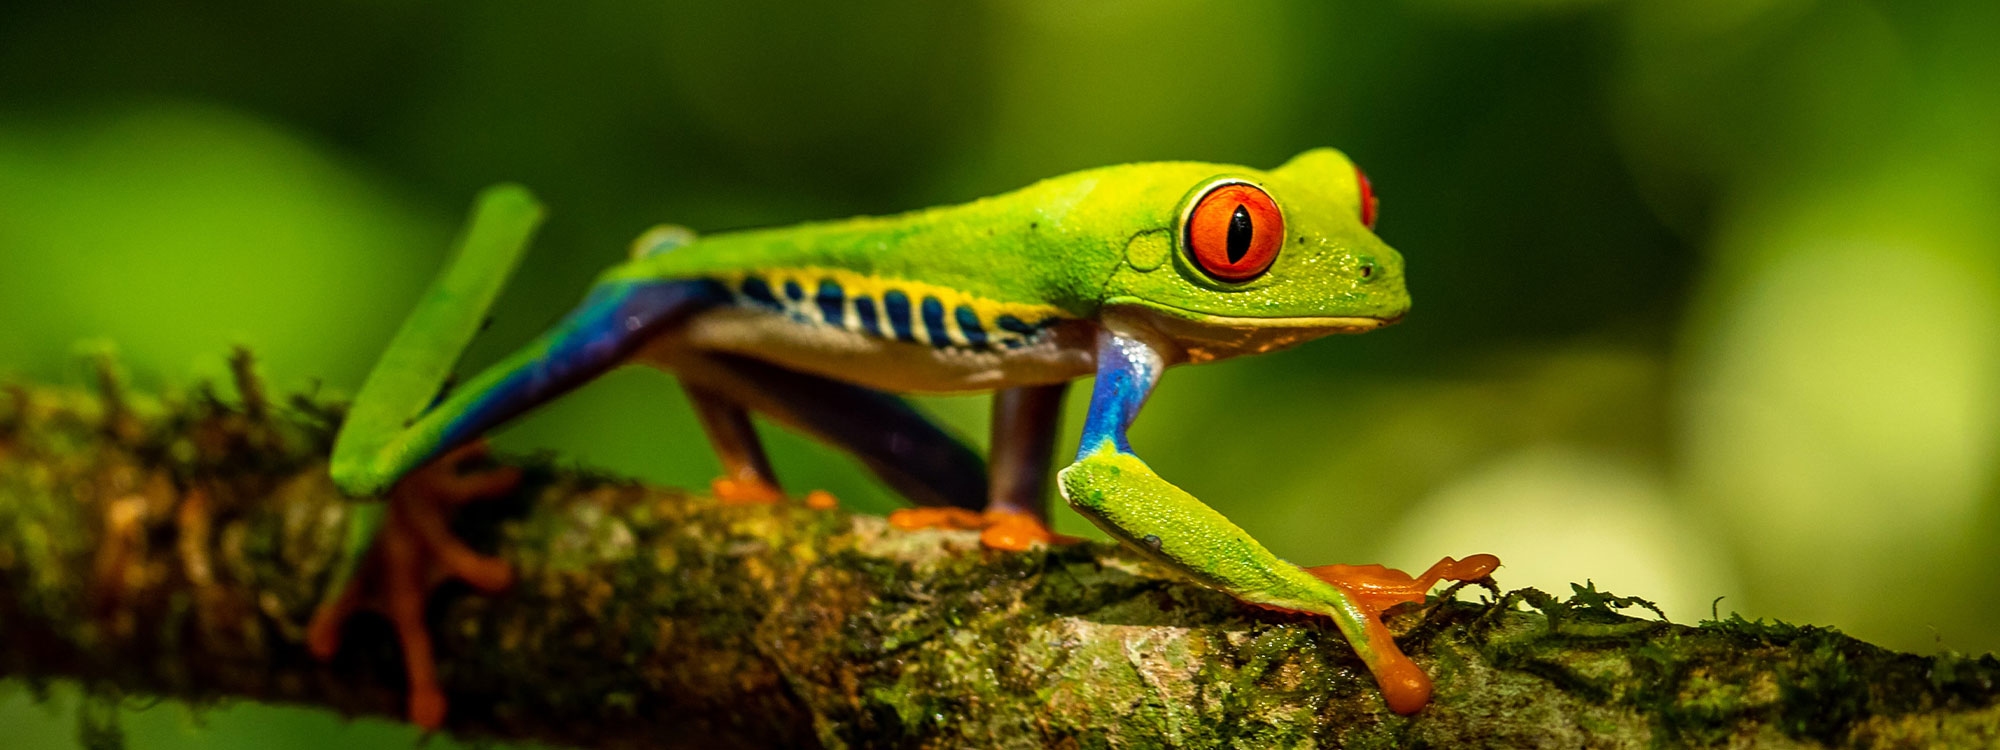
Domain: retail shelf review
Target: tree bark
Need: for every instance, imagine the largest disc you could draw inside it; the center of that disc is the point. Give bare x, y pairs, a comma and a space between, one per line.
176, 547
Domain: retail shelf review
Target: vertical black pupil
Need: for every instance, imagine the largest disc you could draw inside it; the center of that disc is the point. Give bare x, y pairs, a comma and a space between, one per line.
1239, 233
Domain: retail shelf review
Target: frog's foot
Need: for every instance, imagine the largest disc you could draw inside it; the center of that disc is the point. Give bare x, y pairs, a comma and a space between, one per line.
754, 491
821, 500
1017, 531
414, 553
1379, 587
1376, 588
912, 519
745, 490
998, 529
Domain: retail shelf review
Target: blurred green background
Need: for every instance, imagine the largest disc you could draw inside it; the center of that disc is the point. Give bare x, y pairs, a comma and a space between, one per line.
1707, 291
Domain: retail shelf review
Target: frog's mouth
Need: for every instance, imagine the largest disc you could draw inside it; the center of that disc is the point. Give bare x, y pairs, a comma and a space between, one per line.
1208, 337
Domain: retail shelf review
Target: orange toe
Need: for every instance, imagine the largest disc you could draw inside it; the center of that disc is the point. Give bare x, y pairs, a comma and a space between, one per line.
1009, 530
821, 500
1404, 685
427, 708
747, 491
323, 633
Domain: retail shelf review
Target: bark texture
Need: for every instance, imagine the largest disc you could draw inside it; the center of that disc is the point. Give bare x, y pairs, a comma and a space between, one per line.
176, 547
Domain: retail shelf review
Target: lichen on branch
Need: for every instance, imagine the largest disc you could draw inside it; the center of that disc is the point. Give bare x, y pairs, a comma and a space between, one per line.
176, 546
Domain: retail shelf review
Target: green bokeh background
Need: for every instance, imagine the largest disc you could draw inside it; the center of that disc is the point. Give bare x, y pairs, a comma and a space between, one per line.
1707, 291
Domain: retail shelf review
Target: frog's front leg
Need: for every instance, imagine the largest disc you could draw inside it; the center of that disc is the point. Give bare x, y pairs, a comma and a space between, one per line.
746, 472
1024, 442
1118, 492
1016, 516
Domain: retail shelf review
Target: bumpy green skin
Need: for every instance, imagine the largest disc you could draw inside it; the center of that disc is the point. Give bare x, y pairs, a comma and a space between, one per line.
1063, 242
1125, 497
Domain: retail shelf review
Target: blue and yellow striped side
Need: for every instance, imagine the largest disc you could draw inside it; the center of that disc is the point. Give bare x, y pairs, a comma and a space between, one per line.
894, 309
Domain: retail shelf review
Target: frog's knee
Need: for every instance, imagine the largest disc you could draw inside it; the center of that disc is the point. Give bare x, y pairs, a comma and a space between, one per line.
660, 239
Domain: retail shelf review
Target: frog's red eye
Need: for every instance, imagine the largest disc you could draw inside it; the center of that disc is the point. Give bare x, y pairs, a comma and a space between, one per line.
1368, 200
1235, 231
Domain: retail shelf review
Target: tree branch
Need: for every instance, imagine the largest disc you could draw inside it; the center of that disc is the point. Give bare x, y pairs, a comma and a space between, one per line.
177, 546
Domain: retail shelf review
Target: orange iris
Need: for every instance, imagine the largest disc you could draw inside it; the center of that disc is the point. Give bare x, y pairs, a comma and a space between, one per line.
1235, 231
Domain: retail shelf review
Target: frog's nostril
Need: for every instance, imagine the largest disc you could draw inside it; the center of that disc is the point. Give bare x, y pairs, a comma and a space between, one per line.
1367, 270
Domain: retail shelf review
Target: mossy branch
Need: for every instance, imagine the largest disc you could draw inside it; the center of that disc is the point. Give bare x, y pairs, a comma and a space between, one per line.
176, 547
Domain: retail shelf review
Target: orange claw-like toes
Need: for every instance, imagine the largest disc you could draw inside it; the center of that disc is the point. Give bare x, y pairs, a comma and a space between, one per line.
998, 529
745, 491
912, 519
413, 554
1376, 588
1379, 587
323, 633
821, 500
1016, 531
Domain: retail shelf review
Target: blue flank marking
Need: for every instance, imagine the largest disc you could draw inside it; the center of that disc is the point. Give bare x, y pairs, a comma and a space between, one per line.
1014, 325
759, 292
968, 324
831, 298
897, 305
864, 309
934, 322
612, 322
829, 303
797, 295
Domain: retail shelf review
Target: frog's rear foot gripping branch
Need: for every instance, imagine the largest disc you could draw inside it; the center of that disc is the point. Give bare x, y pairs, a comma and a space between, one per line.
415, 552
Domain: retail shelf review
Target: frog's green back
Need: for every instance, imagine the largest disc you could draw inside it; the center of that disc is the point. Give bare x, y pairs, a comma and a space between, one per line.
1069, 244
1029, 246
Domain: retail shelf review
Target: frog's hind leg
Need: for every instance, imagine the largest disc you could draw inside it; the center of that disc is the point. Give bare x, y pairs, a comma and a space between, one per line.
895, 441
426, 470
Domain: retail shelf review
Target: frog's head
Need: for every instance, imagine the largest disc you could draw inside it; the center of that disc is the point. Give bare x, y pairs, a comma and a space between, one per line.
1251, 261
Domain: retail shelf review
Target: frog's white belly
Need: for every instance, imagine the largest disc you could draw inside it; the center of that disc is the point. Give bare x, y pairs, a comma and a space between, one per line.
1062, 352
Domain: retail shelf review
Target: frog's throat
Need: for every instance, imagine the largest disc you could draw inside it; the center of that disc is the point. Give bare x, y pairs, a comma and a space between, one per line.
1206, 337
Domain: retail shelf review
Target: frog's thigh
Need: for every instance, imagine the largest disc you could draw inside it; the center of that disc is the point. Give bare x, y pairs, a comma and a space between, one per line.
893, 439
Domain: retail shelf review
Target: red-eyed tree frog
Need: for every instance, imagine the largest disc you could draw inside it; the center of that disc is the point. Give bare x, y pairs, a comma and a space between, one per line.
1118, 272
